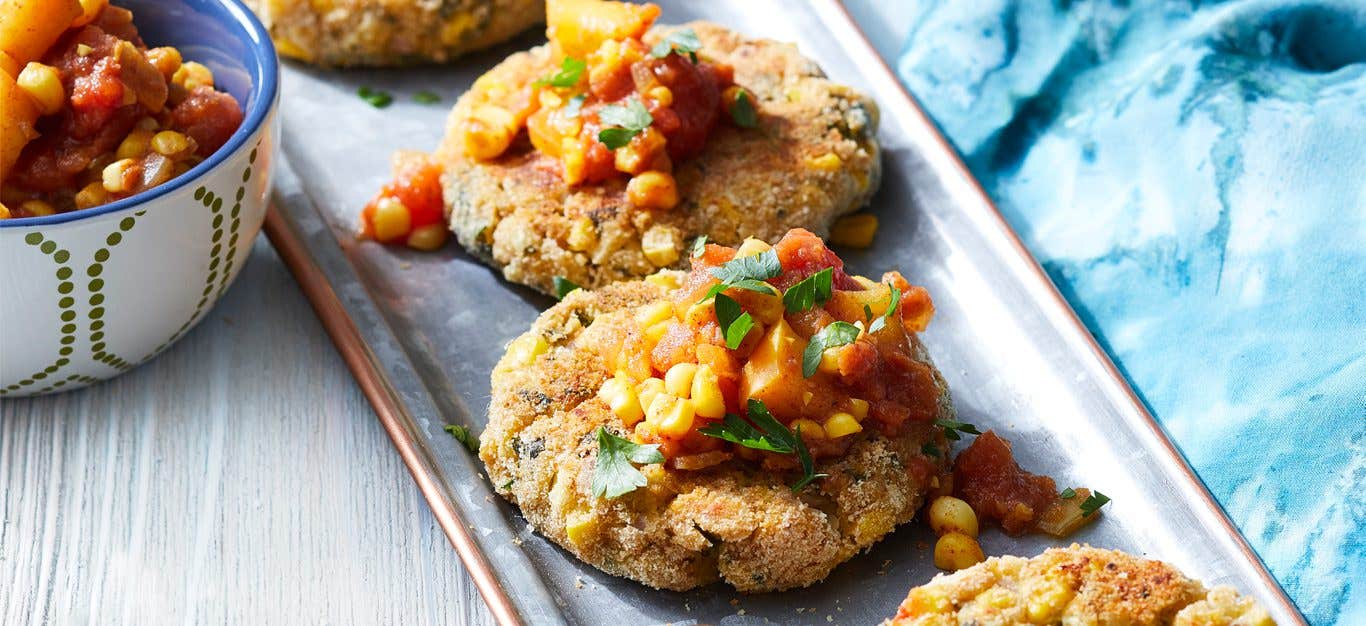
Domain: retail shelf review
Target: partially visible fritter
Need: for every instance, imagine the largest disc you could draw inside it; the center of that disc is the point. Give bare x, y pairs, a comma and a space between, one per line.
391, 32
1077, 586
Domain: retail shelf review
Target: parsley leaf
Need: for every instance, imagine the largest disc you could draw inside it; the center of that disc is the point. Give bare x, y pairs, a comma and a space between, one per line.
953, 430
464, 436
563, 286
748, 284
738, 431
881, 321
699, 246
929, 449
571, 70
615, 473
735, 322
742, 111
575, 105
376, 98
764, 432
1068, 493
615, 138
812, 291
836, 334
624, 122
1093, 503
761, 266
426, 97
682, 41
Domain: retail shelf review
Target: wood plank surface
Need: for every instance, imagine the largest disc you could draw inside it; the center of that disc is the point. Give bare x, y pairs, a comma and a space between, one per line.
239, 478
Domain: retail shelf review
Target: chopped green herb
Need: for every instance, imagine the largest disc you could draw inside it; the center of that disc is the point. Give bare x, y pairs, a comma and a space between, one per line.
625, 122
764, 432
1093, 503
575, 105
836, 334
571, 70
615, 138
881, 321
929, 449
812, 291
1068, 493
762, 266
682, 41
615, 473
464, 436
735, 322
742, 111
699, 246
508, 485
426, 97
867, 314
563, 286
376, 98
953, 430
747, 284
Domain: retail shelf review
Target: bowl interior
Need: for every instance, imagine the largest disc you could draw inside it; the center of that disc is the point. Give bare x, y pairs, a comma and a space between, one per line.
223, 35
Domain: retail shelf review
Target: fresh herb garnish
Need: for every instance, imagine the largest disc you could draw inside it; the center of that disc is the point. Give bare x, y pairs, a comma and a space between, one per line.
625, 122
376, 98
867, 314
735, 322
616, 473
682, 41
812, 291
742, 111
571, 70
464, 436
575, 105
563, 286
762, 266
508, 485
426, 97
1068, 493
953, 430
764, 432
929, 449
748, 284
699, 246
1093, 503
881, 321
836, 334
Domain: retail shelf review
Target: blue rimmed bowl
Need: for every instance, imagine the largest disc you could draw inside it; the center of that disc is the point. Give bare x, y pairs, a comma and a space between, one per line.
87, 295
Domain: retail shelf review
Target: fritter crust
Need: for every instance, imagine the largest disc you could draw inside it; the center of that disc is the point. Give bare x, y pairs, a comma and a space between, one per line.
516, 212
1078, 586
392, 32
733, 522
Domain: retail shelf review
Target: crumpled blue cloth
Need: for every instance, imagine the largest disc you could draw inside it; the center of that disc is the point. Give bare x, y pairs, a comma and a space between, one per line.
1192, 175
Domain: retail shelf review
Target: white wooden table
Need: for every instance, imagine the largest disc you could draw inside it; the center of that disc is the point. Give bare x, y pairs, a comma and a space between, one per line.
240, 478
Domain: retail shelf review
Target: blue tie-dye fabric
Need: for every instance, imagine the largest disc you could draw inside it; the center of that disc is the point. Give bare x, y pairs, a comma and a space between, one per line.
1193, 178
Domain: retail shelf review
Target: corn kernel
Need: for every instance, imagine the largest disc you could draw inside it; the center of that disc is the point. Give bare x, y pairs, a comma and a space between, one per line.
647, 390
841, 424
427, 238
619, 396
855, 231
678, 380
751, 247
582, 235
170, 143
523, 350
574, 161
858, 408
191, 75
952, 515
391, 220
44, 85
660, 244
827, 162
37, 208
148, 123
483, 141
830, 360
656, 332
166, 59
654, 313
1046, 602
549, 99
115, 176
664, 278
661, 94
809, 428
652, 190
91, 195
706, 393
134, 145
674, 416
955, 551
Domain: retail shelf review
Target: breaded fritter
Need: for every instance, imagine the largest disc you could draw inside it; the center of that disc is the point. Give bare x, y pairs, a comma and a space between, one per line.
392, 32
1077, 586
814, 158
734, 522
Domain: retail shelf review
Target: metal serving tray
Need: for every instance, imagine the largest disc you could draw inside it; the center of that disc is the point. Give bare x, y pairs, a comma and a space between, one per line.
421, 332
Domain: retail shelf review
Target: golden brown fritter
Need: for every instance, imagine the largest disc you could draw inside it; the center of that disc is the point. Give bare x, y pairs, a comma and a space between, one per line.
1077, 586
516, 212
733, 521
392, 32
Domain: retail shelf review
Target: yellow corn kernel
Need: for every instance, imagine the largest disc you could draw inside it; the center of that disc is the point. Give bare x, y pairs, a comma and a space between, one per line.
827, 162
652, 190
660, 244
841, 424
952, 515
391, 219
706, 393
4, 212
809, 428
134, 145
830, 361
574, 161
191, 75
37, 208
664, 278
582, 235
580, 527
996, 598
678, 380
855, 231
674, 416
656, 332
619, 396
654, 313
148, 123
955, 551
647, 390
1046, 602
91, 195
427, 238
115, 176
44, 85
549, 99
488, 132
858, 408
661, 94
166, 59
170, 143
523, 350
751, 247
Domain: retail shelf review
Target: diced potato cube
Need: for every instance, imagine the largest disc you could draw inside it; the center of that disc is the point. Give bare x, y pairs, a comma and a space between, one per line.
773, 372
841, 424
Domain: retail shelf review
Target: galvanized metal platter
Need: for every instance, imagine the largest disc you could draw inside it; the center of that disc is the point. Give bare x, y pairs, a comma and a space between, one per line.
421, 332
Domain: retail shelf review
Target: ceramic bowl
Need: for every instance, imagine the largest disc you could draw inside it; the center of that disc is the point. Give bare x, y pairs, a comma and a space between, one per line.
87, 295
